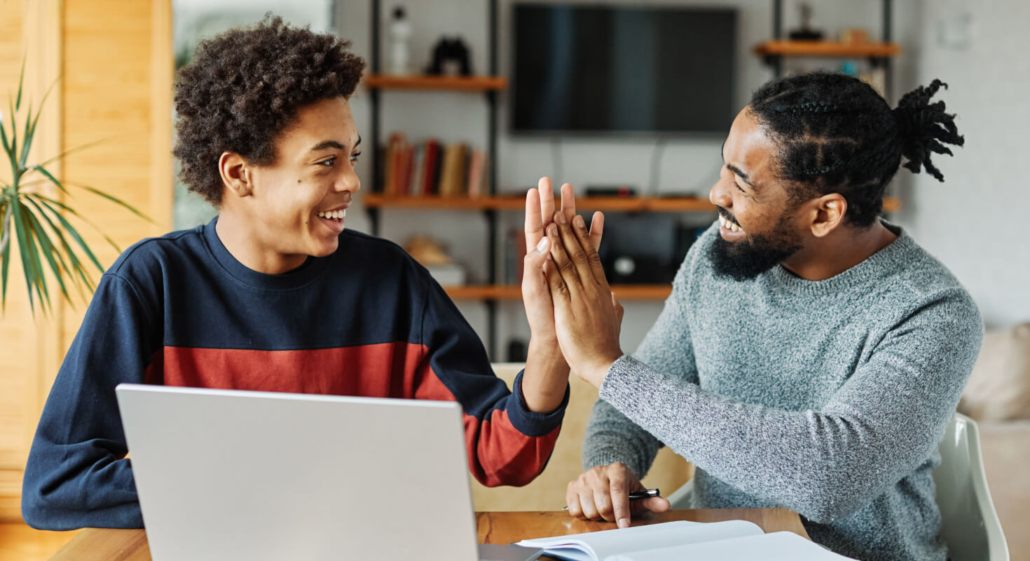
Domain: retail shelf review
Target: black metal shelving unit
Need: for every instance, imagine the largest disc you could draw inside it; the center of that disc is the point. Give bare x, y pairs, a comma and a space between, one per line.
887, 22
491, 98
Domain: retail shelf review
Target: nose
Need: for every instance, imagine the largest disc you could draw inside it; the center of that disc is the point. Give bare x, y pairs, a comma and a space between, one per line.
348, 181
719, 194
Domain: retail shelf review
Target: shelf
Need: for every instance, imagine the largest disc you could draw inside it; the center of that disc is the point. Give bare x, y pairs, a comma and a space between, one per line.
517, 202
514, 292
828, 49
452, 83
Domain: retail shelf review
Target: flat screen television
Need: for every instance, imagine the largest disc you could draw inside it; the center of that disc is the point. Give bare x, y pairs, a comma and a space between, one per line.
597, 69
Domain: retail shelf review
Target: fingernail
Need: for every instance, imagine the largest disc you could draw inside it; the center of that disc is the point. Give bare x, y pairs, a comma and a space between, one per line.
623, 523
560, 219
552, 230
542, 246
578, 221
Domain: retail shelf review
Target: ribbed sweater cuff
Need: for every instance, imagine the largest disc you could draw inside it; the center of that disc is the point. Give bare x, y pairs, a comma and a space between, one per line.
528, 422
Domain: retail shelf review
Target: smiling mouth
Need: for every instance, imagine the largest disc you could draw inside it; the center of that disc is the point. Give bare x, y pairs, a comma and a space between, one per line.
337, 215
729, 225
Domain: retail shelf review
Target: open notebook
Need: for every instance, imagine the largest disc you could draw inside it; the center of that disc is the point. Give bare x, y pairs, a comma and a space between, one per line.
735, 540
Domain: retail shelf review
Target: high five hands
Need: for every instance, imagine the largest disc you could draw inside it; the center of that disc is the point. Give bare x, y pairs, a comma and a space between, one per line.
587, 317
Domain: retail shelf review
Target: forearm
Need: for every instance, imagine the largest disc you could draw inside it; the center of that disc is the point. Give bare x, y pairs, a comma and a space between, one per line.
611, 437
819, 463
546, 377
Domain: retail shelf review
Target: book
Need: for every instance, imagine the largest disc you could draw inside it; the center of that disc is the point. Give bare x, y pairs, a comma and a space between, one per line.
734, 540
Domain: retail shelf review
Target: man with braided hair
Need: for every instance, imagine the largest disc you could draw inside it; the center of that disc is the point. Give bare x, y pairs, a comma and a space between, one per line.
810, 355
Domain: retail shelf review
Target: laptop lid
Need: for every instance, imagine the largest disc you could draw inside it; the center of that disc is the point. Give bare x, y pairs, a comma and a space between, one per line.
225, 474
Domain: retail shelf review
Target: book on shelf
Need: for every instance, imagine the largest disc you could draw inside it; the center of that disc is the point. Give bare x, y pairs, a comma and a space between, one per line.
668, 541
431, 168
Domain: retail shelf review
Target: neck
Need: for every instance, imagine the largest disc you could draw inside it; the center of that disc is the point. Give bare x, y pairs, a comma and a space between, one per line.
841, 250
250, 248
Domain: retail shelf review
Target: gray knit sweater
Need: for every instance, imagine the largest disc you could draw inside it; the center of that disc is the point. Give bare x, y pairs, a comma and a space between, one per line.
829, 398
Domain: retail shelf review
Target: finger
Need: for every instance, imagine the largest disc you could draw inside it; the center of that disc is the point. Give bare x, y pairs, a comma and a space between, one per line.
619, 310
533, 282
656, 504
568, 201
619, 490
572, 500
570, 240
603, 501
593, 260
596, 229
534, 223
565, 274
586, 503
546, 191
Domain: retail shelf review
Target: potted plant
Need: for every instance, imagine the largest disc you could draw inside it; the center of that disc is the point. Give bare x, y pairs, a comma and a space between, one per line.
48, 243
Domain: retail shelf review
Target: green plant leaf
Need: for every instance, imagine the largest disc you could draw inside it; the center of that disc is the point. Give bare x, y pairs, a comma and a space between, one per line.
109, 197
26, 138
46, 247
76, 265
12, 149
5, 259
32, 274
74, 213
68, 227
21, 83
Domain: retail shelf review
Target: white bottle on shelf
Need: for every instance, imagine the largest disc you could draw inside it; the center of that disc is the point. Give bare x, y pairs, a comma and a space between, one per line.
400, 43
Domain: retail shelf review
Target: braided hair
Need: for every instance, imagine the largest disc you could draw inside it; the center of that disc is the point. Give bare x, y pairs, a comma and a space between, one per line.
837, 135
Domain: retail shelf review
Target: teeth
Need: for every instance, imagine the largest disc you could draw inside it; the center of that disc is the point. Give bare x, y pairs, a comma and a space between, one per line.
333, 214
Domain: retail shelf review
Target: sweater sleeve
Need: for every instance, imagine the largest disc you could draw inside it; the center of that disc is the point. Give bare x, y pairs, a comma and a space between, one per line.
507, 443
611, 436
880, 425
77, 473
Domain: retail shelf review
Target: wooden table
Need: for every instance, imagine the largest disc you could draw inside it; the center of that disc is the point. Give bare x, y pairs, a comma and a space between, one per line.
493, 527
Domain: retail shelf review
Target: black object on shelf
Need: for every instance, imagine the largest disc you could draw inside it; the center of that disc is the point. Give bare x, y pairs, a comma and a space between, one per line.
611, 191
644, 248
451, 57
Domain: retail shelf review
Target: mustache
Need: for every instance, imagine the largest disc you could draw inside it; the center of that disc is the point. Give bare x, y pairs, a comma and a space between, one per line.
726, 214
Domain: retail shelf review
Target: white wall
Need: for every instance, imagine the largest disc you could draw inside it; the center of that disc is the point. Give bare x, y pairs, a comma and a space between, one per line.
976, 222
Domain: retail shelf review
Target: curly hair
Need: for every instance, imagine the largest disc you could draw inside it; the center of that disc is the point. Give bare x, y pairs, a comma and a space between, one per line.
245, 86
836, 134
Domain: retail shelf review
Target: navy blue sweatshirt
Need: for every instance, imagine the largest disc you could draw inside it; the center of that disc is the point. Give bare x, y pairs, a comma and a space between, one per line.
180, 310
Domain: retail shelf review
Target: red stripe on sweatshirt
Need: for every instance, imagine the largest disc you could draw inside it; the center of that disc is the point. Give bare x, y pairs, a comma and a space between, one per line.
498, 453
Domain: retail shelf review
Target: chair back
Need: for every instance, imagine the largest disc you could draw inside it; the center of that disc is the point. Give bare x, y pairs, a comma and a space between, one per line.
969, 523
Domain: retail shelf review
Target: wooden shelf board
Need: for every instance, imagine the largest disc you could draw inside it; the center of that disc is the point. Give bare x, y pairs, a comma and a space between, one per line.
506, 202
514, 292
517, 202
828, 49
453, 83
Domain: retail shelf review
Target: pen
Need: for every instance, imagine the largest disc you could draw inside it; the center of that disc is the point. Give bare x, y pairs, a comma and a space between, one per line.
637, 495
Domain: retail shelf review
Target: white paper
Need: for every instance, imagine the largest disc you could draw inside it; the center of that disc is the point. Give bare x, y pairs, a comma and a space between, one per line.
777, 546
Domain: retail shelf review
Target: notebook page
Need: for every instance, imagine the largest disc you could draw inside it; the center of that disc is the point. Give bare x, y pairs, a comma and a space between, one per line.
777, 546
599, 545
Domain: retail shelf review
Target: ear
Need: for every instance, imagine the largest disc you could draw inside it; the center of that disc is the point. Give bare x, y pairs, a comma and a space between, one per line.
828, 214
235, 174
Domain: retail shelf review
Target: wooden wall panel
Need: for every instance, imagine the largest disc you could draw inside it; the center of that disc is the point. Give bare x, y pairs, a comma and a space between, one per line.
115, 59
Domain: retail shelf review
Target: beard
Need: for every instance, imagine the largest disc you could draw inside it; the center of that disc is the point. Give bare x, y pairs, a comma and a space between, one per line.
757, 254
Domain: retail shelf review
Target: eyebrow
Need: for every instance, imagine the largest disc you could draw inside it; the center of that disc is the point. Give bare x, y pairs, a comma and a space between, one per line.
740, 173
332, 144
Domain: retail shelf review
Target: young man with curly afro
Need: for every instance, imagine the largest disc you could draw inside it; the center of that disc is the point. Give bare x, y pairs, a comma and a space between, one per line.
274, 294
811, 354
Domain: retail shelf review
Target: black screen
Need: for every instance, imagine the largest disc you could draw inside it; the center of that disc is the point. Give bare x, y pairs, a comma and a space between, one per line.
623, 69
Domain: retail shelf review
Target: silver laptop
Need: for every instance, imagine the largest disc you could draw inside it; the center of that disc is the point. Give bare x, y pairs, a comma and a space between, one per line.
226, 475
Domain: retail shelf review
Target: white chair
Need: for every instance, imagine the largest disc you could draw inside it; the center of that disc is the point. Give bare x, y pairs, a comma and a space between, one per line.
969, 523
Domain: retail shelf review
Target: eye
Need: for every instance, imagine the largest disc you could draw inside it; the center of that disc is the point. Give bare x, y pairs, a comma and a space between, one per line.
739, 188
354, 157
328, 162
